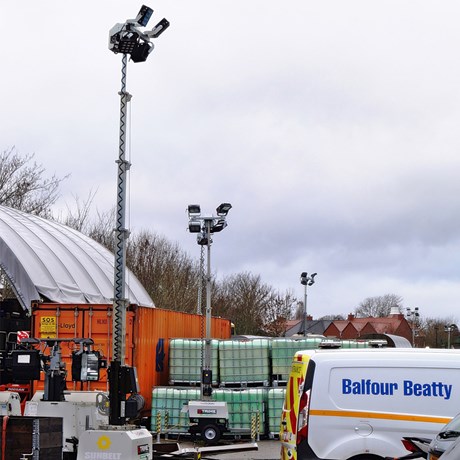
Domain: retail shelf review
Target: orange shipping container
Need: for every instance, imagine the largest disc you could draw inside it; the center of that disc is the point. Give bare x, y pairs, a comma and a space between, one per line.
148, 331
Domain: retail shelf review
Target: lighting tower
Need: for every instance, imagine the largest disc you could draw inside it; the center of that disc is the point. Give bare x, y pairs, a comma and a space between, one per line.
205, 227
129, 40
119, 440
306, 280
449, 328
413, 315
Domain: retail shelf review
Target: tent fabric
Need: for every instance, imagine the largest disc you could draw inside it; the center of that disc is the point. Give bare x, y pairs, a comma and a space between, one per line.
46, 260
394, 341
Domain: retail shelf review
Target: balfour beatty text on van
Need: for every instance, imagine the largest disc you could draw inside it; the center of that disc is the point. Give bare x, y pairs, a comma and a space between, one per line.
408, 387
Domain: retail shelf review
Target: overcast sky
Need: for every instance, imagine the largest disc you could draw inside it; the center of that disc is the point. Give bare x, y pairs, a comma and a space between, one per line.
331, 126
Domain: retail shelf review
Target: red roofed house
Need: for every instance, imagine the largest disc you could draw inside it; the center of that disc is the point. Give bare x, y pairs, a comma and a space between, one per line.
355, 328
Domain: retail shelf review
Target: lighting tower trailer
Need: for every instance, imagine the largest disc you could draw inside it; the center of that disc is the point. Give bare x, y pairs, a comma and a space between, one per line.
207, 417
118, 440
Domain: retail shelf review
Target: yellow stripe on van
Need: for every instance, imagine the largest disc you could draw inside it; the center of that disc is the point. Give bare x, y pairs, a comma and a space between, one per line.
380, 415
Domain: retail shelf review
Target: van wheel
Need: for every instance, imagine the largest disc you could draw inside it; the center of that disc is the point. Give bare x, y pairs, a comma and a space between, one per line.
210, 434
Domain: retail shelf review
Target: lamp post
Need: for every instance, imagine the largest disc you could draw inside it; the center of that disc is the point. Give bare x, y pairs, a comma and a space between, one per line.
306, 281
127, 39
205, 227
449, 328
413, 316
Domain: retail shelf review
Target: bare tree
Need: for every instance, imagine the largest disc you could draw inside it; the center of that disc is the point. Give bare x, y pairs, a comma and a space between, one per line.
244, 299
253, 306
277, 312
168, 274
23, 184
333, 317
101, 229
79, 217
378, 306
435, 335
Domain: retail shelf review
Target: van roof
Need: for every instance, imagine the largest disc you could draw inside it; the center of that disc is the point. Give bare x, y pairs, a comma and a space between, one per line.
369, 354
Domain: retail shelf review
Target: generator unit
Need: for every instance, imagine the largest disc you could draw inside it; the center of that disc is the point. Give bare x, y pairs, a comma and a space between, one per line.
208, 418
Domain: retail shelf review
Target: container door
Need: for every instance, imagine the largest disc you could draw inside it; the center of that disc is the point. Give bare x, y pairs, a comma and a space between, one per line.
97, 325
58, 323
82, 321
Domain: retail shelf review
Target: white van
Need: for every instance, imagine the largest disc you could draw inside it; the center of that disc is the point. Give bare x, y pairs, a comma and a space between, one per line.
358, 404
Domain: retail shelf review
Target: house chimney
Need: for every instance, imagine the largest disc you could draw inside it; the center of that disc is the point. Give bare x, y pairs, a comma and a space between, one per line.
394, 311
351, 317
309, 318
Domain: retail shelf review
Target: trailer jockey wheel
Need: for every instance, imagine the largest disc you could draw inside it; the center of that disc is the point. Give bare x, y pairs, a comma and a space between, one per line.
210, 434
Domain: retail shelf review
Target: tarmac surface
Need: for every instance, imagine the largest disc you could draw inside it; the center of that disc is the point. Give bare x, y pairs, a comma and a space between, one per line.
267, 450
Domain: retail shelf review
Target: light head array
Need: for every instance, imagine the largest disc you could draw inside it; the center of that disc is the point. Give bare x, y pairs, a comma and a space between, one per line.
128, 39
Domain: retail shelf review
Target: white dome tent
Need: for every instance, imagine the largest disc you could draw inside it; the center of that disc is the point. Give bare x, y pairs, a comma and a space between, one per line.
45, 260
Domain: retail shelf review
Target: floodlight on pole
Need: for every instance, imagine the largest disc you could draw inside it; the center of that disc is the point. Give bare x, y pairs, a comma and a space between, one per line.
144, 15
194, 210
194, 226
449, 328
129, 40
205, 226
413, 316
306, 280
222, 209
219, 225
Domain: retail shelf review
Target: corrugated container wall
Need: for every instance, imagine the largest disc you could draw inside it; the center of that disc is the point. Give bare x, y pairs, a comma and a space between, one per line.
148, 331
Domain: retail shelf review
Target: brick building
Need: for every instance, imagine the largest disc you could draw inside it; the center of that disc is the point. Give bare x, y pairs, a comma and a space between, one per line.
356, 328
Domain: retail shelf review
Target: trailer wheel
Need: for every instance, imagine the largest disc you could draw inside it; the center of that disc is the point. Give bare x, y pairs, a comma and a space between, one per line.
210, 434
